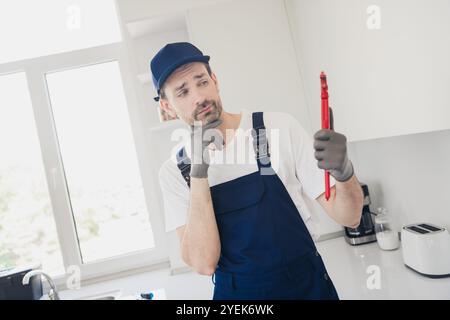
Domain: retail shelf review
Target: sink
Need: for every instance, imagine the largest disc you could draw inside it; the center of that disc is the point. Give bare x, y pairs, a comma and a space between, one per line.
104, 298
159, 294
110, 295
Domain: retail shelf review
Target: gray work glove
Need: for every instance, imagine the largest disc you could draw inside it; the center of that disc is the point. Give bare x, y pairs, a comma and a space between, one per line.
201, 138
331, 153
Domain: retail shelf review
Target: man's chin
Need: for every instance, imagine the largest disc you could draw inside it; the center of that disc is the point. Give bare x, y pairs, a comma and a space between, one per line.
211, 118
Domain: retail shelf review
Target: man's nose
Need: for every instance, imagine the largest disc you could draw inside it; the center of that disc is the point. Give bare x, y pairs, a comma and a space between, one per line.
199, 99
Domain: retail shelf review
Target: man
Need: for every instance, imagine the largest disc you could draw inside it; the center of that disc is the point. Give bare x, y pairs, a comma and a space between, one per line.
246, 224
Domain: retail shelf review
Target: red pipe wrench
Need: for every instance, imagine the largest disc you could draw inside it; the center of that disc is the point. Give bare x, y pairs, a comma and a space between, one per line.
327, 122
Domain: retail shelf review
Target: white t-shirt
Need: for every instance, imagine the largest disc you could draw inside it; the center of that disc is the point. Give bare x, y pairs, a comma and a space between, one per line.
291, 155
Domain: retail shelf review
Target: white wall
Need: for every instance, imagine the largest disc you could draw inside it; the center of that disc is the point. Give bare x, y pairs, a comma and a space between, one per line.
253, 54
162, 147
145, 48
157, 136
140, 9
409, 175
383, 97
383, 82
253, 81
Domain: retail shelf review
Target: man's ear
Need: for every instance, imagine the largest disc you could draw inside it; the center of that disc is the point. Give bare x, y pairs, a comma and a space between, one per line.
167, 108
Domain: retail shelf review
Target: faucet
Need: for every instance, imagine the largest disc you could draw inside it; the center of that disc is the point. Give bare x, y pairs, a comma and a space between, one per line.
52, 294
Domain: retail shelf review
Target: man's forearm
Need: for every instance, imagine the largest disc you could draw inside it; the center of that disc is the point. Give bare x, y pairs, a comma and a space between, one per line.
348, 202
200, 245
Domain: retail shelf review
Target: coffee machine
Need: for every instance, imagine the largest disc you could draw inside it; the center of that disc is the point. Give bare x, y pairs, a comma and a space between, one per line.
365, 232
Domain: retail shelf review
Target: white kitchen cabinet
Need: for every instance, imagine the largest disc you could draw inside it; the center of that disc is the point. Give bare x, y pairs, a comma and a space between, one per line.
383, 82
253, 55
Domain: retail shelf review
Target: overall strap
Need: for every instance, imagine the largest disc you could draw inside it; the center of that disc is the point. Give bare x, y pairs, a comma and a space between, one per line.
260, 142
184, 164
260, 145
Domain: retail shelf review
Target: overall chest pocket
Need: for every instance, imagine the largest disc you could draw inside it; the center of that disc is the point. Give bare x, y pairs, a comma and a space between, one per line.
238, 194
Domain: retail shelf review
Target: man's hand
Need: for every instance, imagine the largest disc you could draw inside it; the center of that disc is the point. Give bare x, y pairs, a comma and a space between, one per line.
201, 138
331, 153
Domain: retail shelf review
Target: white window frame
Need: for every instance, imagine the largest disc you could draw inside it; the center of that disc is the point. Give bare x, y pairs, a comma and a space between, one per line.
35, 70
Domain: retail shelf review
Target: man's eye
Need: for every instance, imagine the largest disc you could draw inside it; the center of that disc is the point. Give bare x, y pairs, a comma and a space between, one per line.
204, 82
182, 93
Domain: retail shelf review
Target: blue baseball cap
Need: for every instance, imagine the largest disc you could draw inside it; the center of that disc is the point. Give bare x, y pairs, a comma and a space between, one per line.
169, 58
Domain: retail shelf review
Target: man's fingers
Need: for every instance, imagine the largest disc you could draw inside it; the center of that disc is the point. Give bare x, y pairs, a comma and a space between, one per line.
218, 141
320, 145
197, 125
212, 135
319, 155
326, 165
321, 164
323, 134
212, 124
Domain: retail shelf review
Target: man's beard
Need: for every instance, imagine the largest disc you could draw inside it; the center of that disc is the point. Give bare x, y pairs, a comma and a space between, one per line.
209, 116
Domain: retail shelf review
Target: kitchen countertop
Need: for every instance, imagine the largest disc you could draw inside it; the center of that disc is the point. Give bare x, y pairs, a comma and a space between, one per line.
350, 268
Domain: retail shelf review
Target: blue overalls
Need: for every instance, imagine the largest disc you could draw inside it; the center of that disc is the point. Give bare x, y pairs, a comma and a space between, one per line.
266, 249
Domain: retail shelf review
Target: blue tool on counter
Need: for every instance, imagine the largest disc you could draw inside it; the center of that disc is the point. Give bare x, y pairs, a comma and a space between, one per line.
147, 296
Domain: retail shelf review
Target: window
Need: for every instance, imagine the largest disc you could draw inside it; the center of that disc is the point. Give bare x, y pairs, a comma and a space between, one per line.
27, 228
31, 29
99, 159
71, 191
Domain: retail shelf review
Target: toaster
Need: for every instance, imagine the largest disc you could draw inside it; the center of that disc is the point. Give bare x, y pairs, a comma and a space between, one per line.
426, 249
